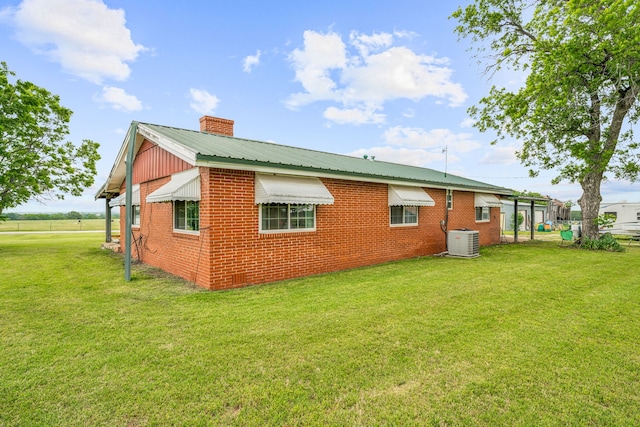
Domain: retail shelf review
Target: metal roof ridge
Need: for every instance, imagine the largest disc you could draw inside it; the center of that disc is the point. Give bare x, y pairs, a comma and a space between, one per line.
468, 182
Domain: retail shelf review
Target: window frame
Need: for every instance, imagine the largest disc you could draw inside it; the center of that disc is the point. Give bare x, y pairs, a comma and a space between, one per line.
485, 214
135, 216
289, 218
183, 228
404, 216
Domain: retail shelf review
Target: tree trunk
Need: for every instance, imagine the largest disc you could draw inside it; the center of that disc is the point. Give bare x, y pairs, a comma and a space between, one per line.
590, 204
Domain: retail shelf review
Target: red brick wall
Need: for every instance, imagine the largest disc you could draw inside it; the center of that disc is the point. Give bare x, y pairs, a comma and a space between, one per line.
230, 252
352, 232
155, 243
463, 215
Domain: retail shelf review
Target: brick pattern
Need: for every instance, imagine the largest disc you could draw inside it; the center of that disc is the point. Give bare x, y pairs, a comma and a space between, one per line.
211, 124
155, 243
229, 252
352, 232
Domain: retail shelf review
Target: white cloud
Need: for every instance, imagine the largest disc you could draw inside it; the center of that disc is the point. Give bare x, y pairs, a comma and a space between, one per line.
409, 113
120, 100
87, 38
420, 147
467, 123
434, 138
356, 116
202, 101
374, 42
500, 155
251, 61
367, 73
406, 156
321, 54
399, 72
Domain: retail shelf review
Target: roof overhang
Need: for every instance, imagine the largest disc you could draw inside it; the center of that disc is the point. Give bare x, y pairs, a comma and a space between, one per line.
118, 172
409, 196
292, 190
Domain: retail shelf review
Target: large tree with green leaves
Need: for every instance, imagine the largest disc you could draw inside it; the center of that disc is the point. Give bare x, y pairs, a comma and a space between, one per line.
575, 111
35, 161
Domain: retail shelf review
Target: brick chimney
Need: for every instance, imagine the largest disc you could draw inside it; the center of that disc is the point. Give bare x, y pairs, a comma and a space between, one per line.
211, 124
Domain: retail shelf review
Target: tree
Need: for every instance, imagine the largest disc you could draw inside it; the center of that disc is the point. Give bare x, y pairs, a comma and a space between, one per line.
520, 220
573, 115
74, 215
35, 162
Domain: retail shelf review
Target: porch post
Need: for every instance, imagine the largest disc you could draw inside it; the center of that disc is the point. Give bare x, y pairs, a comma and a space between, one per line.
515, 221
533, 218
107, 216
133, 130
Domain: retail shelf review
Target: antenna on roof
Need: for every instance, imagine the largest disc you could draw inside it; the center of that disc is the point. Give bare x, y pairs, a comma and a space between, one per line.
445, 150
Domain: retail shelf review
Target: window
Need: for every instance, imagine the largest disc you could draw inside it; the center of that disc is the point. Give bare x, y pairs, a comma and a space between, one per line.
638, 216
135, 215
404, 215
186, 215
282, 217
613, 215
482, 213
449, 199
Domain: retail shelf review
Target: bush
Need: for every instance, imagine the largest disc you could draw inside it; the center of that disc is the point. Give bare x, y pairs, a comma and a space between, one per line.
606, 242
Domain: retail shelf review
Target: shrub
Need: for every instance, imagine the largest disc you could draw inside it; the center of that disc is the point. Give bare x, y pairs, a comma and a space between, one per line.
606, 242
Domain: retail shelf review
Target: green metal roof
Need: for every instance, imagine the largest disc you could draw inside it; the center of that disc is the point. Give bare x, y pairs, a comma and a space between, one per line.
232, 150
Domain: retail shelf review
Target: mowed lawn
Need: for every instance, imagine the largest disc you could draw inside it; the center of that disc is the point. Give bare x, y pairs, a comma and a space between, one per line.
57, 225
526, 334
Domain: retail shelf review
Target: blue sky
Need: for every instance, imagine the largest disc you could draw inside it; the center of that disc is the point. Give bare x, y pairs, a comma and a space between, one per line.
352, 77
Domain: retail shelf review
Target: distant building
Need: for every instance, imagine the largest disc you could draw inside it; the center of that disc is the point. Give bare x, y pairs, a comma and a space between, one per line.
507, 215
554, 210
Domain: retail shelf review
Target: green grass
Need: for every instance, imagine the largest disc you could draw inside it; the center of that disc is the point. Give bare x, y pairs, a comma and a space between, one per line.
527, 334
57, 225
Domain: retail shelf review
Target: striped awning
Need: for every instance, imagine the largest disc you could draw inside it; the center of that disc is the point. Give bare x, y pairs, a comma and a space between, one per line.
121, 200
184, 185
291, 190
400, 195
487, 200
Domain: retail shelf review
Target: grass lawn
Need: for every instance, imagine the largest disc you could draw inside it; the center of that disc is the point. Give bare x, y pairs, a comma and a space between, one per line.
526, 334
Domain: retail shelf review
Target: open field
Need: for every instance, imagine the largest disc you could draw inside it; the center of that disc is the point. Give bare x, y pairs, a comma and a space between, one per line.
526, 334
57, 225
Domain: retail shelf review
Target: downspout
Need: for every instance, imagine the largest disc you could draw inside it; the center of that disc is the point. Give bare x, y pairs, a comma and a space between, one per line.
444, 224
133, 130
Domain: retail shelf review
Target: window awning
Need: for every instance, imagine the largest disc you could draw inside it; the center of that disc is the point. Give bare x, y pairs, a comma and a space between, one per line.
409, 196
121, 200
487, 201
184, 185
117, 201
293, 190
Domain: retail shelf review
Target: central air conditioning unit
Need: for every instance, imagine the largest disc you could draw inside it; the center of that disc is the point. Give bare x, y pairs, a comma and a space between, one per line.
463, 243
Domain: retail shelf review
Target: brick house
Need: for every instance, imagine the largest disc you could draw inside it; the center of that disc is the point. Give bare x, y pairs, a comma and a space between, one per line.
226, 212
